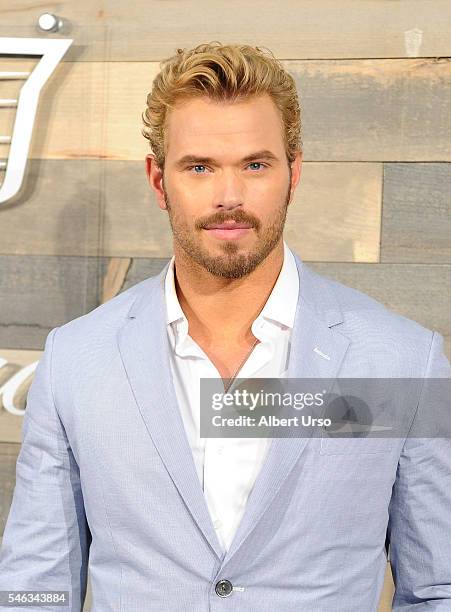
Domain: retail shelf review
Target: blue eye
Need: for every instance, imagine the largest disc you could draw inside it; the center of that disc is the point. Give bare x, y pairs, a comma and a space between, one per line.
256, 164
261, 164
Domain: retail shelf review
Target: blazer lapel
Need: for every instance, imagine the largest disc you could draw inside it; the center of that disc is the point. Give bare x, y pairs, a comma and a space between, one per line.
317, 315
144, 347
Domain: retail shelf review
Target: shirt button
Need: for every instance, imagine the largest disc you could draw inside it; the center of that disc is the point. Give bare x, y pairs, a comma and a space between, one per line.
217, 524
220, 450
223, 588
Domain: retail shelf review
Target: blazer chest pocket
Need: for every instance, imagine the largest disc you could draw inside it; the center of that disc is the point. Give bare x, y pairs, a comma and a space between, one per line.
355, 446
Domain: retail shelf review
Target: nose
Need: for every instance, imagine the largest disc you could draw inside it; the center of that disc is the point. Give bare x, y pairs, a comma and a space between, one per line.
229, 192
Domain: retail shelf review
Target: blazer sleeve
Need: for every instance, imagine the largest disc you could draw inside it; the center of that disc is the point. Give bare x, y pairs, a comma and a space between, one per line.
46, 539
419, 528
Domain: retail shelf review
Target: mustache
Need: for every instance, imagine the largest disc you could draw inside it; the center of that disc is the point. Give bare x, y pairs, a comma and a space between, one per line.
238, 216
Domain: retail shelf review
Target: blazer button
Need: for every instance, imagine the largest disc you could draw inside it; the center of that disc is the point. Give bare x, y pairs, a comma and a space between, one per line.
223, 588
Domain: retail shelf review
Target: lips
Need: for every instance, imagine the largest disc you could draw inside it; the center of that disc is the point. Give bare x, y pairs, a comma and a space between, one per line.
229, 226
230, 230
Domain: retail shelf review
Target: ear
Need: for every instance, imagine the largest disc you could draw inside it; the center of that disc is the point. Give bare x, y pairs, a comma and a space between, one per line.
296, 166
155, 178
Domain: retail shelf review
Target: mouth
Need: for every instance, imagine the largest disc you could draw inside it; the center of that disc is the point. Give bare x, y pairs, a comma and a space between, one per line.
230, 230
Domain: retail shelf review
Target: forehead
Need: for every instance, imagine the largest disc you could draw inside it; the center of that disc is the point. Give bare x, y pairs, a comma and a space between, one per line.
202, 122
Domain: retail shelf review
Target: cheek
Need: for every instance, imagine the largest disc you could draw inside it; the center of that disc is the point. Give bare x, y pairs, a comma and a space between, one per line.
267, 204
191, 199
270, 192
194, 185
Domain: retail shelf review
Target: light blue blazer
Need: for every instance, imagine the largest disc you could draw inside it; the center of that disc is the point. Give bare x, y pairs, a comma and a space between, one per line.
105, 475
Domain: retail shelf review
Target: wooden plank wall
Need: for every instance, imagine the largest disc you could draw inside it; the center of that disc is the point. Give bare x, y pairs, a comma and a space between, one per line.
372, 209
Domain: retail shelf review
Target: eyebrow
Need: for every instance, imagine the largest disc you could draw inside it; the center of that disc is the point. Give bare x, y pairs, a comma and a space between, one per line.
191, 159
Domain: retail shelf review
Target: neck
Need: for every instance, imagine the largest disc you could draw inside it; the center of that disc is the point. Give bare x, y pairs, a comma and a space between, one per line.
222, 309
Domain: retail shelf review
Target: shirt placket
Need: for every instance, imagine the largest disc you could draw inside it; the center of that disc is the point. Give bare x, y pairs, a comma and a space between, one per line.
230, 464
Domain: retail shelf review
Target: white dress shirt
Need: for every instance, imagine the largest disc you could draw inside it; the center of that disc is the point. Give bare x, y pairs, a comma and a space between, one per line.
227, 467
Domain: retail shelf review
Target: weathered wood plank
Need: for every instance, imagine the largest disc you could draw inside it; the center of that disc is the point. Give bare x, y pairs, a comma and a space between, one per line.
374, 110
353, 110
39, 293
148, 29
416, 220
142, 268
115, 276
106, 208
8, 458
59, 210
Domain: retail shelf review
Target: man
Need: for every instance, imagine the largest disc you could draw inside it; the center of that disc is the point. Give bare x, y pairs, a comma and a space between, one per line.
112, 464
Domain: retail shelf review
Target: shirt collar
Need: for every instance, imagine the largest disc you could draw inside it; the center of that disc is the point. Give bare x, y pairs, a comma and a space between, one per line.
282, 301
280, 307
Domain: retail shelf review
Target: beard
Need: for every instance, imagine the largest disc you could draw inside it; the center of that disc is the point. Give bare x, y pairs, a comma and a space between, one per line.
231, 263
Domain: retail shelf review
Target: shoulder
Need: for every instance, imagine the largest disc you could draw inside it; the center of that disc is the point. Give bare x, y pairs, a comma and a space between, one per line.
373, 328
102, 323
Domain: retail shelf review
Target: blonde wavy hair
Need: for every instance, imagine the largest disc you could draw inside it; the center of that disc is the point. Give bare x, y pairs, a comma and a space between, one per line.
223, 73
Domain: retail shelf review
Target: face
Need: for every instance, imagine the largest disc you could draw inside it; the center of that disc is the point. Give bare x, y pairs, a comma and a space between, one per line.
227, 182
